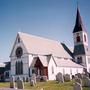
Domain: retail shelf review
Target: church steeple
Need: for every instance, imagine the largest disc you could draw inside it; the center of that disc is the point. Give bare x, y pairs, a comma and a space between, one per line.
78, 24
80, 41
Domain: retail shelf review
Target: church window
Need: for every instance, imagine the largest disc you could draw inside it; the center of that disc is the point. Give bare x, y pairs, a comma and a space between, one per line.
78, 38
19, 68
19, 52
52, 70
85, 38
33, 71
29, 72
79, 60
16, 68
18, 40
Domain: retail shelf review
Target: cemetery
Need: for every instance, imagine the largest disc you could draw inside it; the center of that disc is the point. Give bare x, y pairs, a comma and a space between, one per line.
62, 82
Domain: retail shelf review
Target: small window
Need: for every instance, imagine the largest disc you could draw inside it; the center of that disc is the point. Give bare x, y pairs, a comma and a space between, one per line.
79, 60
52, 70
78, 38
85, 38
18, 40
33, 71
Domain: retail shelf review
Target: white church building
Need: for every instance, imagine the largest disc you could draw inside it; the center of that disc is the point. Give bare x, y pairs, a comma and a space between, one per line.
32, 54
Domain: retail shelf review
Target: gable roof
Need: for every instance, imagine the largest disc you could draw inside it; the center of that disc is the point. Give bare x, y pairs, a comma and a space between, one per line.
42, 46
61, 62
43, 59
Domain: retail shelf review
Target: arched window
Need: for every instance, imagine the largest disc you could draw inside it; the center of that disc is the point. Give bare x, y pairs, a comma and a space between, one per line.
85, 38
52, 70
78, 38
19, 67
18, 40
16, 68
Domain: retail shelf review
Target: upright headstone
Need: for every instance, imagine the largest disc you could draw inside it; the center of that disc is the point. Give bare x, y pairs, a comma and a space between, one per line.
59, 77
27, 79
86, 81
20, 84
23, 79
77, 86
80, 75
67, 77
33, 80
12, 82
79, 80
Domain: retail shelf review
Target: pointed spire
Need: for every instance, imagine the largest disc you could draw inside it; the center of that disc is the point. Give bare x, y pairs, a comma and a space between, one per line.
79, 24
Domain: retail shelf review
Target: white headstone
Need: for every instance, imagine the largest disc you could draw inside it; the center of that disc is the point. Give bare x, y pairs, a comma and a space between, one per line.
67, 77
33, 80
12, 82
59, 77
20, 84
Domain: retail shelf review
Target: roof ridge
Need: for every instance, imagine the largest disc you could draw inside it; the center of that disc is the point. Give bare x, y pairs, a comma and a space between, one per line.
39, 37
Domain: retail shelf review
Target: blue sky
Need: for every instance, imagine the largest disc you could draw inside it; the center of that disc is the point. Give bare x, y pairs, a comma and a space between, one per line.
53, 19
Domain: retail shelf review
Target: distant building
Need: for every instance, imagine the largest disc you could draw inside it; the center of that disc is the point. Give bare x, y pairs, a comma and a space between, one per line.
2, 69
5, 71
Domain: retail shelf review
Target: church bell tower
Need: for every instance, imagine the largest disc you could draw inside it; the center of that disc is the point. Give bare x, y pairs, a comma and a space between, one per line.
80, 41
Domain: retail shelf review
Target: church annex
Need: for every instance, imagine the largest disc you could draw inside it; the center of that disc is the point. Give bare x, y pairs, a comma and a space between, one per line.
32, 54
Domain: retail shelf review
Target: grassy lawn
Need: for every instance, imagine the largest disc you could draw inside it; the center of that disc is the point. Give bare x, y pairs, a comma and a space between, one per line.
50, 85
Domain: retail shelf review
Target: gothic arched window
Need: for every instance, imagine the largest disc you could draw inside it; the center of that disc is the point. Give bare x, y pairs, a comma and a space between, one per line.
19, 67
78, 38
85, 38
52, 70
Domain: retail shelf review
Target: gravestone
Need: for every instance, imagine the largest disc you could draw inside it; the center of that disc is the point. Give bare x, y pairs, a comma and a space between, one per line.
77, 86
27, 79
86, 81
67, 77
80, 75
12, 82
59, 78
79, 80
20, 84
23, 79
33, 80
